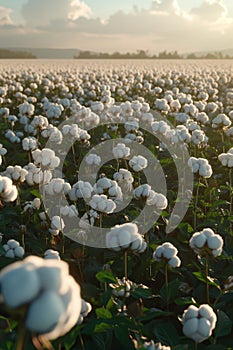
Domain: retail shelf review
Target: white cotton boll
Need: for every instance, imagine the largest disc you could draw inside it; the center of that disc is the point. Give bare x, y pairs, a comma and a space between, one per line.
158, 253
190, 327
174, 262
57, 223
5, 247
215, 242
19, 252
169, 250
19, 285
12, 243
135, 245
208, 232
45, 312
191, 312
10, 254
204, 327
51, 254
51, 275
124, 239
205, 311
198, 239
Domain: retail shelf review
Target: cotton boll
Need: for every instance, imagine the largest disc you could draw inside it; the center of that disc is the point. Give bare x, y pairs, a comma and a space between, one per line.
190, 313
45, 312
19, 285
215, 242
19, 252
10, 254
174, 262
190, 327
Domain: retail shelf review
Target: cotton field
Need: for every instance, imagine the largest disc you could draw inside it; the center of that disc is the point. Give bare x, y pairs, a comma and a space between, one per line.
116, 192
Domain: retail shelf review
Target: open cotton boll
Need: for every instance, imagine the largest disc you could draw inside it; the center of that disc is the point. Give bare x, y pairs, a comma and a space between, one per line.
206, 241
51, 254
51, 275
199, 323
45, 312
19, 284
168, 252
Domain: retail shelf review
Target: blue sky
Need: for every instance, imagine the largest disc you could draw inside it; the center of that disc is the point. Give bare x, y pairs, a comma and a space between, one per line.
186, 25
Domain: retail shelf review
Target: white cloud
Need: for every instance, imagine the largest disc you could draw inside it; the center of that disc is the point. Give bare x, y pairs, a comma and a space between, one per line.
79, 9
71, 23
210, 11
5, 19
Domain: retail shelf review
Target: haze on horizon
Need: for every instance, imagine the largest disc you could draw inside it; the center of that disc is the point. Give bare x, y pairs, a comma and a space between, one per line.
125, 25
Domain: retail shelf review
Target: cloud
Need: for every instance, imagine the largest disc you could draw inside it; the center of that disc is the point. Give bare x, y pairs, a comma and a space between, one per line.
5, 19
42, 12
210, 11
79, 9
71, 23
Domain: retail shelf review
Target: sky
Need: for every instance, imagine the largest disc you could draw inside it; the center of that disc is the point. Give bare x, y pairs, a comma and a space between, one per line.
122, 25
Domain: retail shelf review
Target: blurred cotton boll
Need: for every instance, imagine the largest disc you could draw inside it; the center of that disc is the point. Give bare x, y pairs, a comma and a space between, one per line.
52, 296
8, 191
85, 310
198, 323
121, 151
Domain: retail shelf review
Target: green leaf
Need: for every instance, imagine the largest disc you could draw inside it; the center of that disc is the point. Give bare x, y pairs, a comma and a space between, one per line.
141, 292
103, 313
122, 335
154, 313
202, 277
224, 325
102, 327
35, 193
166, 333
105, 277
185, 301
172, 291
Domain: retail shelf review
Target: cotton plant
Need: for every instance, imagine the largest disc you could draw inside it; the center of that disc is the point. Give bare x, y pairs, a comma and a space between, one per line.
57, 187
57, 225
207, 243
152, 198
51, 295
30, 206
151, 345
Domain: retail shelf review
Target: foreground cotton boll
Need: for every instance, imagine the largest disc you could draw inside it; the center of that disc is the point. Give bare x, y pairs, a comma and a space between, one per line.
57, 187
138, 163
52, 296
206, 242
198, 323
8, 191
93, 159
125, 236
167, 252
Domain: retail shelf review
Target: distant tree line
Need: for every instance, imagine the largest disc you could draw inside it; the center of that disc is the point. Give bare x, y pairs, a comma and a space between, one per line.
15, 54
142, 54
